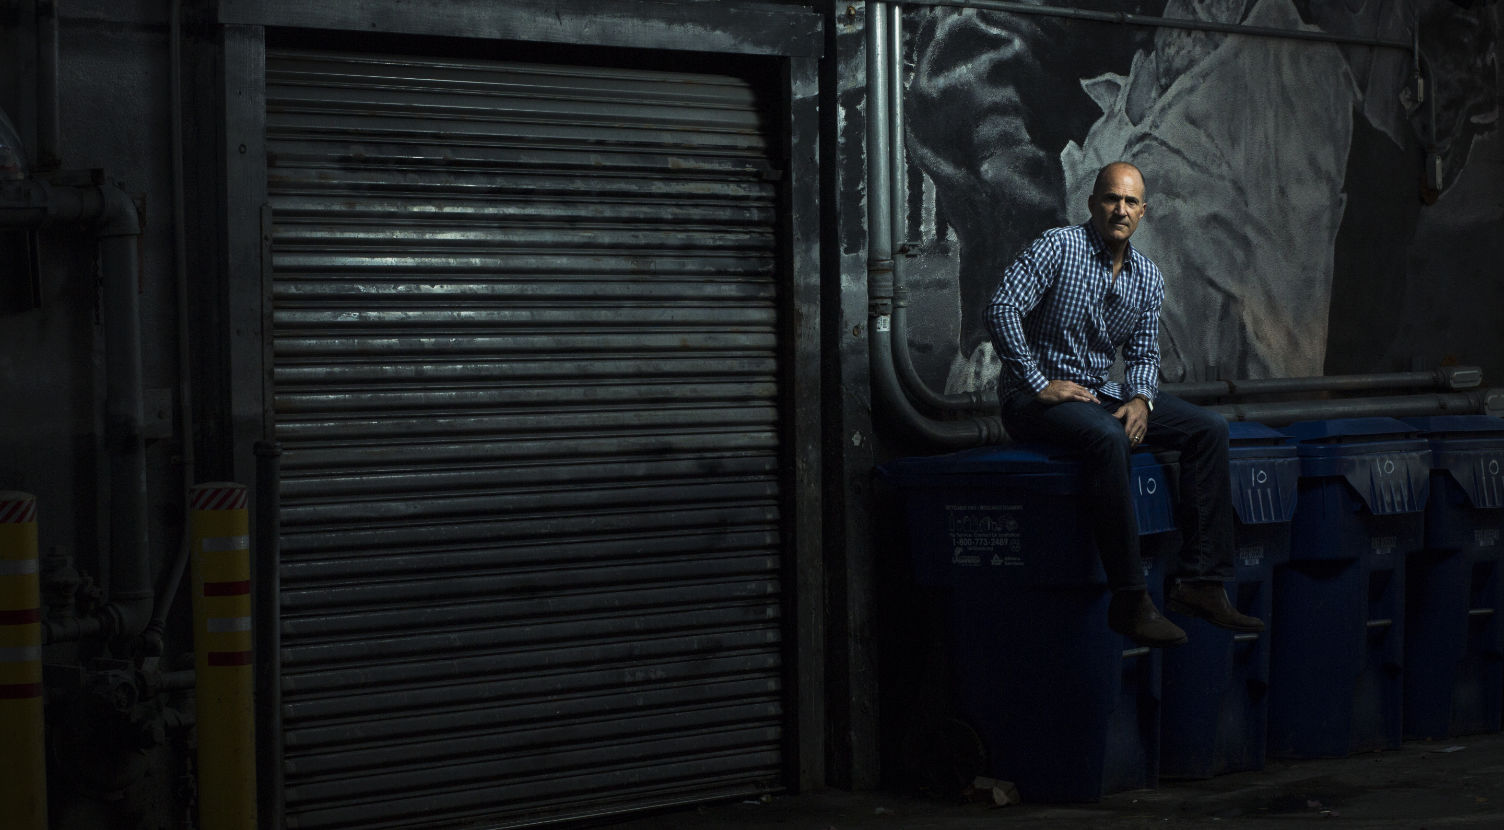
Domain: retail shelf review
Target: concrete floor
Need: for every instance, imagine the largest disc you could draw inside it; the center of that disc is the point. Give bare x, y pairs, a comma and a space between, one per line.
1419, 787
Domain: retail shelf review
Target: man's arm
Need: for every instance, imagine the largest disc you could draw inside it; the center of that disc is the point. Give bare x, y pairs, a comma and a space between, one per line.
1022, 284
1141, 351
1141, 367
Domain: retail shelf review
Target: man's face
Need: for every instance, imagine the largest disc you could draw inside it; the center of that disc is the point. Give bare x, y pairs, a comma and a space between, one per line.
1118, 205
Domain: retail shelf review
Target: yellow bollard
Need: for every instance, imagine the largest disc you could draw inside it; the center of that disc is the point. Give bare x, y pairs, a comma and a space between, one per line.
23, 786
219, 531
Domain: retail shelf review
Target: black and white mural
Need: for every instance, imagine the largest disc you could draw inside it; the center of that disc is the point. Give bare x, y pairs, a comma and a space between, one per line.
1314, 211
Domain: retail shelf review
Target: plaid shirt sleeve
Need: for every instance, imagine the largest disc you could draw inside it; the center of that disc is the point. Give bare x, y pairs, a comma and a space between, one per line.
1022, 285
1141, 351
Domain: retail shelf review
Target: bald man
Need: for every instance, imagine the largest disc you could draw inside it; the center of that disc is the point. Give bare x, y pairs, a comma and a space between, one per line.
1060, 314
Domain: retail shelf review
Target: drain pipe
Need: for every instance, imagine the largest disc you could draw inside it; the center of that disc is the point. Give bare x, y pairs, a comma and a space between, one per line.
110, 214
887, 388
168, 588
914, 386
1480, 401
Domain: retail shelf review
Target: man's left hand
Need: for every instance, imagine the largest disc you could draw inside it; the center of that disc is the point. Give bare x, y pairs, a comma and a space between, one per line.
1135, 417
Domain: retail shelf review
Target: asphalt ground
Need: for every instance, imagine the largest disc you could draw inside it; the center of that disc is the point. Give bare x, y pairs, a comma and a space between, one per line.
1456, 783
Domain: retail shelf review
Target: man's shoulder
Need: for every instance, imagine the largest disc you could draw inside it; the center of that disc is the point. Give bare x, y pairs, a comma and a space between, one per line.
1066, 234
1069, 237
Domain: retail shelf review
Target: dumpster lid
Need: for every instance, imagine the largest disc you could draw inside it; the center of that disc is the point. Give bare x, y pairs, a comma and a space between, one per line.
1252, 432
1338, 430
1462, 426
1000, 459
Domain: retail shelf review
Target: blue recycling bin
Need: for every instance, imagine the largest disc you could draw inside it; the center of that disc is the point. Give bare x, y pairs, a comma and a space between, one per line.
1335, 682
1454, 596
1066, 709
1215, 705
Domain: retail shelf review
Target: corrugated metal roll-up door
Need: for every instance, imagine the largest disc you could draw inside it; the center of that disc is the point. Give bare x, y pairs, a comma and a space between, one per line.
525, 346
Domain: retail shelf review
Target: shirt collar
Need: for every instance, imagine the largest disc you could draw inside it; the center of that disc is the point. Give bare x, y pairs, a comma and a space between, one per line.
1099, 245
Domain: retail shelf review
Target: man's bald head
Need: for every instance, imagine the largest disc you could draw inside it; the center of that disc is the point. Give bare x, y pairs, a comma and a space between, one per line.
1108, 175
1117, 204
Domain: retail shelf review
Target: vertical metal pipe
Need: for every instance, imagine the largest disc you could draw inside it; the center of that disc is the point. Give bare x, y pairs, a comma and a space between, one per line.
887, 387
879, 213
130, 567
23, 786
180, 247
49, 134
267, 579
897, 161
219, 532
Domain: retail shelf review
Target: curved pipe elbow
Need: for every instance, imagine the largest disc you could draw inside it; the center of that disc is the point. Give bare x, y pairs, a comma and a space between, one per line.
118, 214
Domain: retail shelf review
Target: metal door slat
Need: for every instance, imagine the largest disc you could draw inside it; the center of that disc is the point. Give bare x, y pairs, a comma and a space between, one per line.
526, 373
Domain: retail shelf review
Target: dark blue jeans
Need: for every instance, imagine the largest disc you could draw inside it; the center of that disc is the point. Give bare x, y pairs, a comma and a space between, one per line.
1203, 511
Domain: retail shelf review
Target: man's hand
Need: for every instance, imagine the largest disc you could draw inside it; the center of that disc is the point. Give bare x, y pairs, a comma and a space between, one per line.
1135, 417
1060, 391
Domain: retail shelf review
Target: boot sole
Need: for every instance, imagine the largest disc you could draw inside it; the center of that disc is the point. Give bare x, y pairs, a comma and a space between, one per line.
1192, 611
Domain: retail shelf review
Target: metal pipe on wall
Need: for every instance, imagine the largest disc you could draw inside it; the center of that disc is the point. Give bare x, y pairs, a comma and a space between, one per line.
1484, 401
913, 385
1453, 378
172, 579
111, 215
1129, 19
887, 387
49, 133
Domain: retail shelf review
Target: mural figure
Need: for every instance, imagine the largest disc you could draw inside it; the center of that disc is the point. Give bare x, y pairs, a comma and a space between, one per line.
1277, 163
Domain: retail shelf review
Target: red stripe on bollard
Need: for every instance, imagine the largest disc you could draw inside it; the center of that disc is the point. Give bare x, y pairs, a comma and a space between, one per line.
229, 658
227, 589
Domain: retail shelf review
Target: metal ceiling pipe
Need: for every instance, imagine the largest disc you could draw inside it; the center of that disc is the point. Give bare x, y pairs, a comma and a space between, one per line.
1129, 19
888, 389
1478, 401
111, 215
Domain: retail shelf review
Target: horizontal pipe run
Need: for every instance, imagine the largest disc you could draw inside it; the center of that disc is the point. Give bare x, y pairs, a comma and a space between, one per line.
1454, 378
1126, 18
1490, 401
72, 630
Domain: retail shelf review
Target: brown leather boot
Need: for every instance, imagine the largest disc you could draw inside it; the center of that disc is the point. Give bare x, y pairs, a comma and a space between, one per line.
1132, 614
1208, 600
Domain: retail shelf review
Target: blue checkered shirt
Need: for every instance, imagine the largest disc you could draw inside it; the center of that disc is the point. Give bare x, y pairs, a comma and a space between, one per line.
1058, 314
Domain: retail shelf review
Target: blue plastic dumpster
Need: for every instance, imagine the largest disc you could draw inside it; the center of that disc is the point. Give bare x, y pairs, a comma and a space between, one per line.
1066, 709
1454, 596
1337, 641
1216, 687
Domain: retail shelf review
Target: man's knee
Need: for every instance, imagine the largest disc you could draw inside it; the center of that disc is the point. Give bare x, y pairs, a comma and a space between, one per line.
1212, 425
1107, 440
